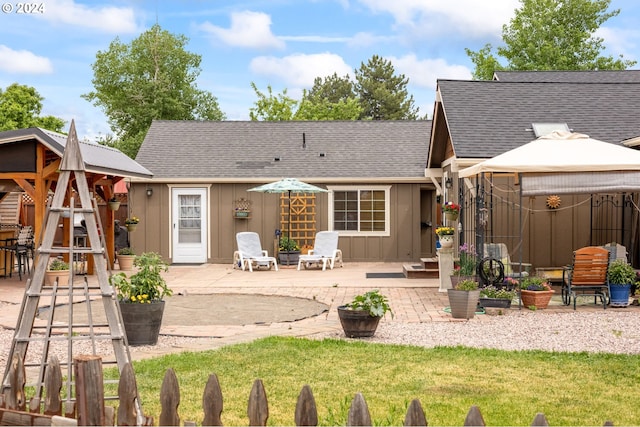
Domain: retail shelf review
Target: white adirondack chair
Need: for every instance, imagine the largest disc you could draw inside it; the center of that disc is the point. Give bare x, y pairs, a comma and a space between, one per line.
250, 252
325, 250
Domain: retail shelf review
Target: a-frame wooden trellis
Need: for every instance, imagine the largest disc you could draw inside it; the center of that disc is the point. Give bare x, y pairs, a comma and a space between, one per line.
72, 169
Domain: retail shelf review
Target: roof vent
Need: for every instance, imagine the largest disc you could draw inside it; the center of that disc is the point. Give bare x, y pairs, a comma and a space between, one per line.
276, 159
540, 129
322, 155
304, 141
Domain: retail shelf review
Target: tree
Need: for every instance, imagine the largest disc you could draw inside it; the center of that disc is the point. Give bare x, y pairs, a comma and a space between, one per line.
151, 78
272, 108
551, 35
383, 95
331, 98
20, 108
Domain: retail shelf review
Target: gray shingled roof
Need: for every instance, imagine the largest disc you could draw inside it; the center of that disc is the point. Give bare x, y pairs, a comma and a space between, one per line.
487, 118
599, 76
97, 158
247, 149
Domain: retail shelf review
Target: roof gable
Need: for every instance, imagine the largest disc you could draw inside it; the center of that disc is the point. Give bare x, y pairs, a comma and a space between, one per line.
487, 118
253, 150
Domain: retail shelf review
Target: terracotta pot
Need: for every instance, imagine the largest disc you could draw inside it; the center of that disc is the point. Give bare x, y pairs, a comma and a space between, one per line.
125, 262
537, 299
357, 323
62, 276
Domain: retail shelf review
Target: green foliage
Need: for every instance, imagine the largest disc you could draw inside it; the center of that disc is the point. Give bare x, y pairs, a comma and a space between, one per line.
446, 380
373, 301
20, 108
58, 265
551, 35
382, 94
272, 108
331, 98
467, 264
467, 285
152, 78
287, 244
535, 283
146, 285
126, 251
621, 273
494, 292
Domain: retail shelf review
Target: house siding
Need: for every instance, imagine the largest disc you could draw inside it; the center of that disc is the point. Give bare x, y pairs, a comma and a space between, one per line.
154, 231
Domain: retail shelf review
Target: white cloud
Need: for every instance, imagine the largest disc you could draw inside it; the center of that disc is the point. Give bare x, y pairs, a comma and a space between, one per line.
424, 73
619, 41
300, 70
23, 61
248, 29
108, 19
466, 17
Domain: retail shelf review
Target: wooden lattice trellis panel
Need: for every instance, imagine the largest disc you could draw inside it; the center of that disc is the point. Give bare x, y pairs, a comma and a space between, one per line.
303, 217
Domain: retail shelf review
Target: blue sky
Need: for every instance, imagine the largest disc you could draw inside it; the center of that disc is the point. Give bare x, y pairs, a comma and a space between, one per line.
282, 43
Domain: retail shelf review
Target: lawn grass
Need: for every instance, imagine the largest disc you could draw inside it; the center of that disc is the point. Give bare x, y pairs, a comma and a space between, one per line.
509, 387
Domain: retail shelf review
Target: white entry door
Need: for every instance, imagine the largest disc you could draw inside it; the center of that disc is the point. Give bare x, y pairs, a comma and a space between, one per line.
189, 225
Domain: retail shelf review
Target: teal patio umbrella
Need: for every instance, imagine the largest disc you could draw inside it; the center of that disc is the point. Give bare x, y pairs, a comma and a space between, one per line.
288, 185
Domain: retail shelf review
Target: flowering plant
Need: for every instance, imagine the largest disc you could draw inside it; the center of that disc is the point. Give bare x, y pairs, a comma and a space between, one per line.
445, 231
467, 264
132, 220
145, 286
451, 207
494, 292
535, 283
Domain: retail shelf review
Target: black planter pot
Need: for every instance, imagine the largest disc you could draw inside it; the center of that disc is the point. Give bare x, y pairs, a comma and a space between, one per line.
142, 322
495, 302
289, 257
357, 323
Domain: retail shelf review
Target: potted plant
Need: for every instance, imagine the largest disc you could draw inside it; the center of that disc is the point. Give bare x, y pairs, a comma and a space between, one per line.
463, 299
113, 204
361, 316
451, 210
288, 251
131, 223
125, 258
465, 267
493, 296
535, 292
621, 275
141, 298
58, 269
445, 236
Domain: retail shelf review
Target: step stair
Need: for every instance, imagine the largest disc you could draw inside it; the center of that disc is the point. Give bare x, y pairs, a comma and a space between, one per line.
426, 269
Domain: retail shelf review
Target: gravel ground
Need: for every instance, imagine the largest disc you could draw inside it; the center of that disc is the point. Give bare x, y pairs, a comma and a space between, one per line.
613, 331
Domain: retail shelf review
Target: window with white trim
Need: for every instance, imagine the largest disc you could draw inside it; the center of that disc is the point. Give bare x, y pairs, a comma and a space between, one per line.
360, 210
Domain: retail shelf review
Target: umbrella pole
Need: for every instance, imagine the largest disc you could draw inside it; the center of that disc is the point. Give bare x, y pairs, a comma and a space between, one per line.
289, 232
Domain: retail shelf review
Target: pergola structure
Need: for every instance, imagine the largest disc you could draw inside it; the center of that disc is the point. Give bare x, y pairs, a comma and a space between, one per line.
30, 159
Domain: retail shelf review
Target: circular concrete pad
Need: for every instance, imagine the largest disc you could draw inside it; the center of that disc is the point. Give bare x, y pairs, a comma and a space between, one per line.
212, 309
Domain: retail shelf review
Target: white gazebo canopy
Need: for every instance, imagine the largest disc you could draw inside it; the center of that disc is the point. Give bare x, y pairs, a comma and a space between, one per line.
567, 163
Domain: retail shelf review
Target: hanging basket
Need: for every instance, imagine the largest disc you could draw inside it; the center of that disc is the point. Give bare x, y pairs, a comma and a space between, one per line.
132, 227
451, 215
114, 206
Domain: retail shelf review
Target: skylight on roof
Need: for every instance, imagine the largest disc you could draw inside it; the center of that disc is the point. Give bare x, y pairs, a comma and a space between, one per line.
546, 128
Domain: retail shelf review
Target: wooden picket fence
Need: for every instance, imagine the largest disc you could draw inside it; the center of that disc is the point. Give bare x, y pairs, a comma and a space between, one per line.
89, 409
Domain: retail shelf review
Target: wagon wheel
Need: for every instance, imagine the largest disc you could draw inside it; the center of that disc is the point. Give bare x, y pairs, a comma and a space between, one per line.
491, 271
